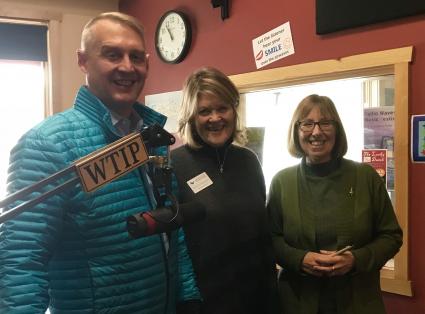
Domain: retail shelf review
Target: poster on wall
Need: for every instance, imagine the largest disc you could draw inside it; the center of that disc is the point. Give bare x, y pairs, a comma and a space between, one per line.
377, 158
379, 134
169, 105
418, 138
379, 128
273, 45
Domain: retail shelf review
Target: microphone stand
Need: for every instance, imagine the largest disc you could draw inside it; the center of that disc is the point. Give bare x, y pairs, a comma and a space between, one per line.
152, 136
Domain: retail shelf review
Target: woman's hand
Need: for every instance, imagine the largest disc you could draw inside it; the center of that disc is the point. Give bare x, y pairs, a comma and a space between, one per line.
342, 264
326, 264
310, 264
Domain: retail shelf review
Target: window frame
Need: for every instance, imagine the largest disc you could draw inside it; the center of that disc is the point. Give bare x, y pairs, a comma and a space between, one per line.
52, 19
393, 61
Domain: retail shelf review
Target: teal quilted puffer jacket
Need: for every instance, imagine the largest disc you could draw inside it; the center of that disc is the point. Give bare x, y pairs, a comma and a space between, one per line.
72, 253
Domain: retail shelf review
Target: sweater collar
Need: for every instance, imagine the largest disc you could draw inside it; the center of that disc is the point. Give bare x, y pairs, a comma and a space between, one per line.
322, 169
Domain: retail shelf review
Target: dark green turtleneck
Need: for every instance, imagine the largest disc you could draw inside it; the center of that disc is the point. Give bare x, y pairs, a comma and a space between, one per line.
321, 189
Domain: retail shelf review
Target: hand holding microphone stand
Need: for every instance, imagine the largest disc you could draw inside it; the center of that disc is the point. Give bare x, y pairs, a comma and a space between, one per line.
107, 164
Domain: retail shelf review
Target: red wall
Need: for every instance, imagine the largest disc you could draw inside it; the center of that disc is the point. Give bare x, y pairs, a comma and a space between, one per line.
227, 45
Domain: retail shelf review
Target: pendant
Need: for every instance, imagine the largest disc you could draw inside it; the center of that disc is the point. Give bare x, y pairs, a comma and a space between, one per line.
221, 163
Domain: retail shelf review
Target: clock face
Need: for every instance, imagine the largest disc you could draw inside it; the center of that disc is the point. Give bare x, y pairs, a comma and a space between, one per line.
173, 37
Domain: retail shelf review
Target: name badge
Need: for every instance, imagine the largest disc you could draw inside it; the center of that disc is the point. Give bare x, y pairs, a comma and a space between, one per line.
199, 182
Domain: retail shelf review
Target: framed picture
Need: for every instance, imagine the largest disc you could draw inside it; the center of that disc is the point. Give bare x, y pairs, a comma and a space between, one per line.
418, 138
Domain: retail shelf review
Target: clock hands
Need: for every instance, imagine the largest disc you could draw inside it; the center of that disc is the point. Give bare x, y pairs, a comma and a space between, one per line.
169, 32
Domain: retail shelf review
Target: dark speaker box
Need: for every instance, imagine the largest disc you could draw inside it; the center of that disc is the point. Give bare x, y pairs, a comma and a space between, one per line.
336, 15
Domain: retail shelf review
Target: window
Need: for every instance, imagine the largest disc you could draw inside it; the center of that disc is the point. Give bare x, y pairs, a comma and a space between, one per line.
272, 110
23, 68
22, 99
388, 72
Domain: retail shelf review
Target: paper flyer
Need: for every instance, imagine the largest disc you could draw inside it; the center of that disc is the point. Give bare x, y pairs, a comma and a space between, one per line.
273, 45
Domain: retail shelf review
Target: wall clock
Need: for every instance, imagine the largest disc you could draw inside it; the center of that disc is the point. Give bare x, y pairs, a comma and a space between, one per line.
173, 37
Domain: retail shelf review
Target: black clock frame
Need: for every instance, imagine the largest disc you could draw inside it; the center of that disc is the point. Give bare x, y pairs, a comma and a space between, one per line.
187, 43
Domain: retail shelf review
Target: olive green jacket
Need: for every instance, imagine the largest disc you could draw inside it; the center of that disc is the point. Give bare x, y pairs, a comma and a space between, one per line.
368, 223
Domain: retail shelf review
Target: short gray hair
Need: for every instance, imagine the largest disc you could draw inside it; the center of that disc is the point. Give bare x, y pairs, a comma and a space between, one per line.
118, 17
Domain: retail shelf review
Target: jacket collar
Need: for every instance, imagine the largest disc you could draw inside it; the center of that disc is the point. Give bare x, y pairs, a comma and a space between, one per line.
95, 110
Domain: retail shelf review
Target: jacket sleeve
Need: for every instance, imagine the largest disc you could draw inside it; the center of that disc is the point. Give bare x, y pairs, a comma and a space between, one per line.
188, 289
287, 256
386, 234
26, 241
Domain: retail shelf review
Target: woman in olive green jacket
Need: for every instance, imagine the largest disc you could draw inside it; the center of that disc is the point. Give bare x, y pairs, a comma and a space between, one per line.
322, 205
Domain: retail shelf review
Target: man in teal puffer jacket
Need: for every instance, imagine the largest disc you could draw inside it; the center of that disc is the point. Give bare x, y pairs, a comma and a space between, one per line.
72, 252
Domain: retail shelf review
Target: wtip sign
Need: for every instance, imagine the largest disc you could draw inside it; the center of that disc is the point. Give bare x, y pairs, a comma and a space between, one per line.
111, 162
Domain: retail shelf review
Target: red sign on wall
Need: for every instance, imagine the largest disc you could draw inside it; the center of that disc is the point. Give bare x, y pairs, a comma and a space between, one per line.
377, 158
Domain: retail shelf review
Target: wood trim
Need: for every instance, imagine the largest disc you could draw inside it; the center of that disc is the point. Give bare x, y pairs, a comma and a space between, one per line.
401, 149
54, 100
399, 282
393, 61
373, 63
28, 12
34, 15
397, 286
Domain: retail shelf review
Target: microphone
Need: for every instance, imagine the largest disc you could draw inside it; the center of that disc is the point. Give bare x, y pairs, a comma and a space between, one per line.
95, 169
164, 219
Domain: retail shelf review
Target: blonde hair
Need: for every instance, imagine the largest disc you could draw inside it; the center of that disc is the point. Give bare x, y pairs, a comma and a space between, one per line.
207, 81
120, 18
327, 108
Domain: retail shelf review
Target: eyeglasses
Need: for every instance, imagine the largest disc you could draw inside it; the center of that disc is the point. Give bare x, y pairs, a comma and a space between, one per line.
308, 125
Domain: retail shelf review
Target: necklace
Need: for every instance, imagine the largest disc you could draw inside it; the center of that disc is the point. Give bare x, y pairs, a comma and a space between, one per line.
221, 162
